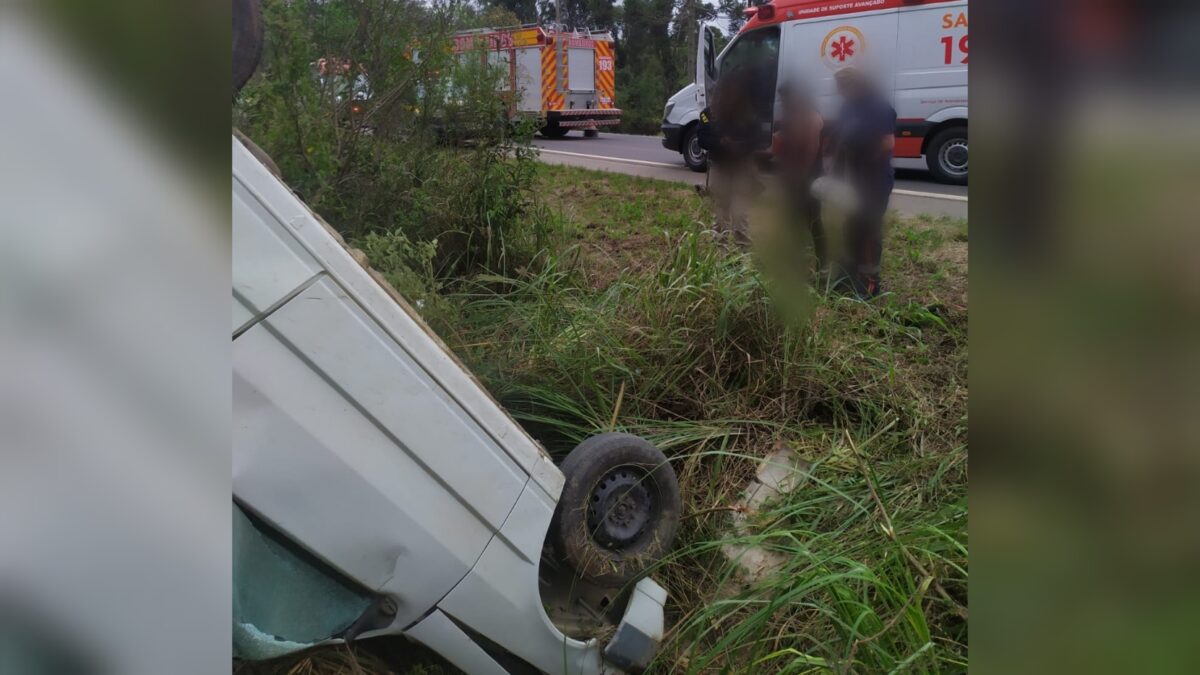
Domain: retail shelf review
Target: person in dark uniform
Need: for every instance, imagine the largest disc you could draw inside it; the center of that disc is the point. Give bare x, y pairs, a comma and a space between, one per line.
727, 132
864, 140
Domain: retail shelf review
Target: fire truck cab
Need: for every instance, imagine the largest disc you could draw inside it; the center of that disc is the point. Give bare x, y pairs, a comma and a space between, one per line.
564, 77
915, 49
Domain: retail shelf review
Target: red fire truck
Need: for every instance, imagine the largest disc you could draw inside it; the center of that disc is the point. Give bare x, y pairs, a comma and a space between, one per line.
566, 78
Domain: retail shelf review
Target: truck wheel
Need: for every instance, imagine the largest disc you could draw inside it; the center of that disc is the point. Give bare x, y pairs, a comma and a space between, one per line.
591, 133
619, 508
693, 155
946, 156
554, 131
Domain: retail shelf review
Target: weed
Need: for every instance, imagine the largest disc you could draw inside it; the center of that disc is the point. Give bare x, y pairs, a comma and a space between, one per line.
687, 337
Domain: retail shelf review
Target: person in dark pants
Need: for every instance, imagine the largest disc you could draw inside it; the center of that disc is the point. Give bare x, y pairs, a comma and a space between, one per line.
727, 133
798, 147
865, 138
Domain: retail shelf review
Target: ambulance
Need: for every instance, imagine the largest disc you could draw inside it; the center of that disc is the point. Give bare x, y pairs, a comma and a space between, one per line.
564, 77
915, 49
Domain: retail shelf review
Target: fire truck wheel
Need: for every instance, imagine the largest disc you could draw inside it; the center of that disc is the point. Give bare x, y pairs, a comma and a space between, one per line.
946, 155
619, 508
247, 41
693, 155
591, 133
554, 131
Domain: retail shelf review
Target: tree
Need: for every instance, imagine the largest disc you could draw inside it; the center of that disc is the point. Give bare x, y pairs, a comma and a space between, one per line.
495, 16
733, 10
524, 11
600, 14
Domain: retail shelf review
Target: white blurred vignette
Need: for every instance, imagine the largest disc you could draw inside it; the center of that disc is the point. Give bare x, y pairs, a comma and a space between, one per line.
114, 400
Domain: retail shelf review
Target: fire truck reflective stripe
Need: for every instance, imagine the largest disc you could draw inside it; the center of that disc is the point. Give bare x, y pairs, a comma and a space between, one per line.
605, 76
586, 124
550, 97
566, 72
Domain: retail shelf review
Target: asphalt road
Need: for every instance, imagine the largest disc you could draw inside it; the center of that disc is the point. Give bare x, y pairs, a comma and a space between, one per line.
915, 191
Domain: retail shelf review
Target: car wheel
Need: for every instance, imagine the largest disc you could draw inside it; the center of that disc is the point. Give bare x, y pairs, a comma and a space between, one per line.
619, 508
693, 155
554, 131
946, 155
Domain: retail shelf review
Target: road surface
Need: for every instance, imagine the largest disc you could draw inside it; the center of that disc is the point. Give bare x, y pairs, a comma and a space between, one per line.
915, 191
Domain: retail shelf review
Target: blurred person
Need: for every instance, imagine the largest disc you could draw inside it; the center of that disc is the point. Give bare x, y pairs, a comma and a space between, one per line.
727, 132
797, 145
864, 137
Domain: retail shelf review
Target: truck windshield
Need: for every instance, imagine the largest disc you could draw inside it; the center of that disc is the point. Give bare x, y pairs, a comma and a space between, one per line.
754, 50
756, 55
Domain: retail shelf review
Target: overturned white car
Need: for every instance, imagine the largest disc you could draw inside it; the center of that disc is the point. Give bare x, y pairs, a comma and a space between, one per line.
379, 490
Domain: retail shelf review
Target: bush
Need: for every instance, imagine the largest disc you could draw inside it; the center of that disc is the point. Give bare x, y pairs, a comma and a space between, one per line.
381, 128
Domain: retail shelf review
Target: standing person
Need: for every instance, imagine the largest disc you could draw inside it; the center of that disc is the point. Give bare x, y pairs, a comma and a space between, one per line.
865, 137
727, 133
798, 147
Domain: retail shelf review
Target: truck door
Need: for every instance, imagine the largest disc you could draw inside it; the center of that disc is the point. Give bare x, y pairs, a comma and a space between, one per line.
706, 64
755, 55
529, 78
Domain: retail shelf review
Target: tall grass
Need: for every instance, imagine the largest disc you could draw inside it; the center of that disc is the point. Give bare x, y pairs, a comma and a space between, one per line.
690, 346
873, 579
693, 354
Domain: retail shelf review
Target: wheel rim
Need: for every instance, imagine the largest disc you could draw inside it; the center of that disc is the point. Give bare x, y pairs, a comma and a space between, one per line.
952, 158
694, 151
620, 507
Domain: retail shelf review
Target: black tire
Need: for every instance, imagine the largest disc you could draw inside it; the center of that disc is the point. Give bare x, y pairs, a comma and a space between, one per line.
946, 155
591, 133
247, 41
693, 155
554, 131
619, 508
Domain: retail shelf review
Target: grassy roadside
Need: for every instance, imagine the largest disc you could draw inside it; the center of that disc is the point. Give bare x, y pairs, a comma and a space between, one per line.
637, 320
632, 317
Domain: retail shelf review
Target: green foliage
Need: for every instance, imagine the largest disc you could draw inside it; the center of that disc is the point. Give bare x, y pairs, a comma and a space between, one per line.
687, 346
613, 307
394, 132
497, 13
649, 67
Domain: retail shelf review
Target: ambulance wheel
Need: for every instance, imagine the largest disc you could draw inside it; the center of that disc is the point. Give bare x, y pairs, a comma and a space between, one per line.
591, 133
694, 155
619, 508
946, 156
554, 131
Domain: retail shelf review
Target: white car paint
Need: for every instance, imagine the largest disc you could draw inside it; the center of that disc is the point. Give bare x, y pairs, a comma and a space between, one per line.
359, 438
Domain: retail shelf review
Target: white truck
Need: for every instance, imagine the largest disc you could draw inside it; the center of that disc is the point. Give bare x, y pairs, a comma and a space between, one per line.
917, 50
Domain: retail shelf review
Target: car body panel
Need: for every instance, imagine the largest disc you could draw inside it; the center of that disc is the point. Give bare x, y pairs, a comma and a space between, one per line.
362, 444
